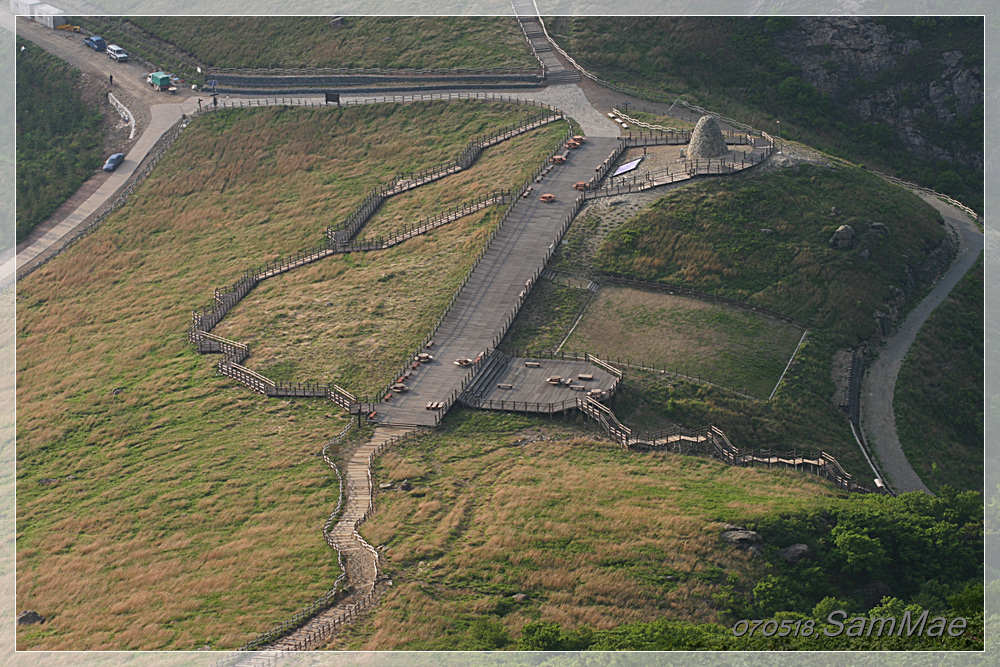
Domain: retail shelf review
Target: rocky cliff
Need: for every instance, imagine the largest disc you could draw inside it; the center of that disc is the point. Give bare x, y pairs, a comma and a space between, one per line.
931, 98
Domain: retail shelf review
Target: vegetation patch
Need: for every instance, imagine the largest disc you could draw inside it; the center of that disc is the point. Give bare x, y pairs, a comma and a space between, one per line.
353, 319
589, 534
186, 510
59, 143
727, 346
360, 41
711, 236
546, 316
736, 67
939, 393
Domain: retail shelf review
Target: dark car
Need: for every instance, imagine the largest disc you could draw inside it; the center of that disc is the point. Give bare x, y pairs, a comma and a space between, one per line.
95, 42
114, 161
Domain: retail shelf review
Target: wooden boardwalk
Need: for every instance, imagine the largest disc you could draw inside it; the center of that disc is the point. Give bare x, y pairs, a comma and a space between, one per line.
518, 253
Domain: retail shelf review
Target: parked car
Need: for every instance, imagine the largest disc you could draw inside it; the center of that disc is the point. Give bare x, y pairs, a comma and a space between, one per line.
95, 42
116, 52
114, 161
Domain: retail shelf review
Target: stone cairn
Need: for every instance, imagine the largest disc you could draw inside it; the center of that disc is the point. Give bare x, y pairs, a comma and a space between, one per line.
707, 140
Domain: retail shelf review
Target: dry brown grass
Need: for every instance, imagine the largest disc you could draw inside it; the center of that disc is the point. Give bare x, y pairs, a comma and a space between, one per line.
188, 511
504, 166
588, 531
353, 319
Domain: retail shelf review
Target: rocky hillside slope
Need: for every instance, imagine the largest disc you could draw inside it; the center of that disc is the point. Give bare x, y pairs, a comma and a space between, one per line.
931, 99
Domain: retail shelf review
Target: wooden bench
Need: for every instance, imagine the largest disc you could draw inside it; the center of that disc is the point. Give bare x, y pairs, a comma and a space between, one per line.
584, 376
434, 405
532, 364
505, 386
577, 387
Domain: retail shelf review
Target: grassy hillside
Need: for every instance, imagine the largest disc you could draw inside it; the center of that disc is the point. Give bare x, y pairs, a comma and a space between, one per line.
590, 534
517, 533
59, 141
185, 481
362, 41
353, 319
938, 399
735, 67
711, 237
707, 235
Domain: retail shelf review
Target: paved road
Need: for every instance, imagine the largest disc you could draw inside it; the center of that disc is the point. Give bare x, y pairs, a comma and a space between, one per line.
155, 113
878, 420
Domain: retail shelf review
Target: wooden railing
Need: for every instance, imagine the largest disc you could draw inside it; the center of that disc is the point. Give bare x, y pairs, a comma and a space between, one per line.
711, 441
408, 181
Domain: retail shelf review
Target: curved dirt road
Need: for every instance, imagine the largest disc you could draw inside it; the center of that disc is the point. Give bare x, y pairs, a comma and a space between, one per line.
878, 421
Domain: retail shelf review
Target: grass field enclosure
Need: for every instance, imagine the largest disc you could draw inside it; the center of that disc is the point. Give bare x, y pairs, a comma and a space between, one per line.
589, 533
724, 345
183, 480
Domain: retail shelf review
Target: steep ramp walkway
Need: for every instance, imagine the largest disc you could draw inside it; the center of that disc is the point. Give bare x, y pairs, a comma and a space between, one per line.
490, 297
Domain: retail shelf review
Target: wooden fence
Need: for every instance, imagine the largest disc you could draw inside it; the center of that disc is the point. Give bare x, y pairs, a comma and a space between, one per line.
711, 441
408, 181
427, 224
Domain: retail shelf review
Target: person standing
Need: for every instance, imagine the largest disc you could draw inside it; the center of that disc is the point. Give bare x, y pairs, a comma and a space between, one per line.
111, 79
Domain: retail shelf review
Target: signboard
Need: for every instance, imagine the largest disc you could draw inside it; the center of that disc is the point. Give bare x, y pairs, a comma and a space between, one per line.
333, 97
627, 167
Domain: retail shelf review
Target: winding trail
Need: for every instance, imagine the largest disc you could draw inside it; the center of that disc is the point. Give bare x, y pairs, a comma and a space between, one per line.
878, 420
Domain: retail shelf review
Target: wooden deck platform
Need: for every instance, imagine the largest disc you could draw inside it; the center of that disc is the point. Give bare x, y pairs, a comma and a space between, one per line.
524, 388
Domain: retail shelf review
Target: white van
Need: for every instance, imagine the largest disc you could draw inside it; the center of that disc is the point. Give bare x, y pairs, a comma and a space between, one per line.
116, 52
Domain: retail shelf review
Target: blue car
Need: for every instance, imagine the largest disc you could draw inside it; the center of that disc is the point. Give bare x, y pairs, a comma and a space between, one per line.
114, 161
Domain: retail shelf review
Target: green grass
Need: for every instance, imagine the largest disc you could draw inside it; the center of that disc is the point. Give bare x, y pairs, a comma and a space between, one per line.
59, 141
353, 319
708, 236
546, 316
195, 506
591, 534
388, 42
733, 66
938, 399
727, 346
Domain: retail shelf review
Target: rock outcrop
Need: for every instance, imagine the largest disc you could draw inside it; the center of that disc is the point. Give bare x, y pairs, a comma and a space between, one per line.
748, 540
795, 552
29, 617
843, 237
